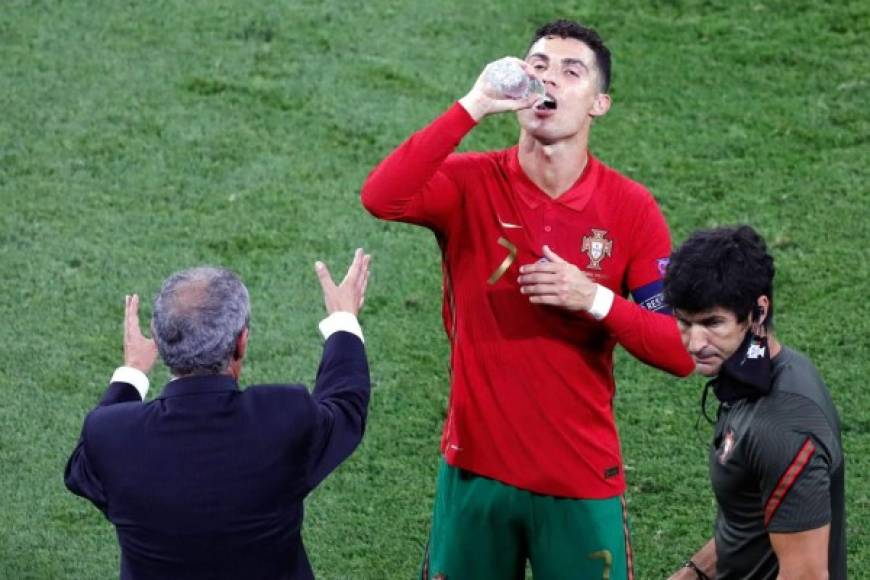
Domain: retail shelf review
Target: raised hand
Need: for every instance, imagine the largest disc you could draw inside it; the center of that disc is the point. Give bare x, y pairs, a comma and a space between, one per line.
348, 296
139, 352
557, 283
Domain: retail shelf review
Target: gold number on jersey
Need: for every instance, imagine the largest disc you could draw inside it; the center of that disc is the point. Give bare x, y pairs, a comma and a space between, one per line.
608, 561
506, 263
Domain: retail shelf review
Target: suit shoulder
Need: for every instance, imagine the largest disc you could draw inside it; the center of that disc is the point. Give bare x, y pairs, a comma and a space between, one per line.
276, 391
109, 422
288, 409
278, 400
117, 411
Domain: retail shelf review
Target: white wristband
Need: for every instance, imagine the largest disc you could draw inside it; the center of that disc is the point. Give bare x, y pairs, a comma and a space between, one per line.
340, 321
133, 377
602, 302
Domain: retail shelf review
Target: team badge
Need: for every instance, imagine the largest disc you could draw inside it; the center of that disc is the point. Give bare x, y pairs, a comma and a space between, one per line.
755, 351
727, 447
596, 247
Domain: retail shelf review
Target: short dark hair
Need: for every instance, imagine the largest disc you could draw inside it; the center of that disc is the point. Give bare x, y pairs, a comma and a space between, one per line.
727, 267
571, 29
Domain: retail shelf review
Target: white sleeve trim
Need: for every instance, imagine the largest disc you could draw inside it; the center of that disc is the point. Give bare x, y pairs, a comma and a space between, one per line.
602, 302
340, 321
133, 377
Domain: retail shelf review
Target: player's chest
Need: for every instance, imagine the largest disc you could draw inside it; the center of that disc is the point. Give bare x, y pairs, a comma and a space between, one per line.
501, 234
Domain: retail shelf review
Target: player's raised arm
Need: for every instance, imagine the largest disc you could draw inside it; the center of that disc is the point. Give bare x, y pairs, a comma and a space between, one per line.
413, 183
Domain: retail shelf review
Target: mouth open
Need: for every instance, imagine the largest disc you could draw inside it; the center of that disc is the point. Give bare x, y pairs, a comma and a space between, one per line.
547, 103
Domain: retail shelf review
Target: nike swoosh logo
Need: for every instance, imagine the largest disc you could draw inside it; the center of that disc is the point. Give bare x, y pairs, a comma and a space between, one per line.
508, 226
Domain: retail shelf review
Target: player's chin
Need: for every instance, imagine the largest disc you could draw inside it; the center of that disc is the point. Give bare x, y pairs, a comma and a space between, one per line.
541, 131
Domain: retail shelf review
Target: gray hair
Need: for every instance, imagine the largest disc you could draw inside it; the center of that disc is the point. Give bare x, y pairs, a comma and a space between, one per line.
198, 317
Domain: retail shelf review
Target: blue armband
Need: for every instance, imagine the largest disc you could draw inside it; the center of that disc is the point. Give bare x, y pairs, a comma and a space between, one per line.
652, 297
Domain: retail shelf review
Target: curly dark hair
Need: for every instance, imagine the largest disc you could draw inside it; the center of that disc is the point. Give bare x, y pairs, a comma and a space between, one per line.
571, 29
727, 267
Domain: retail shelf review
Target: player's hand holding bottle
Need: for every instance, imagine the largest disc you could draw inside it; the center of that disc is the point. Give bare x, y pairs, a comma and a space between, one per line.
507, 84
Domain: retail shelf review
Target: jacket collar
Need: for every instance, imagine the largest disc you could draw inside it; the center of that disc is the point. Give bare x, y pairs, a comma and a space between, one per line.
198, 385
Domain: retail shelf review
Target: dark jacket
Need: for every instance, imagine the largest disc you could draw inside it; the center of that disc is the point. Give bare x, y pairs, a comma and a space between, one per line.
207, 481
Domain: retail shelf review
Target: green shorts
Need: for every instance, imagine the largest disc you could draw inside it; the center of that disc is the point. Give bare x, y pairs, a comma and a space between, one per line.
486, 530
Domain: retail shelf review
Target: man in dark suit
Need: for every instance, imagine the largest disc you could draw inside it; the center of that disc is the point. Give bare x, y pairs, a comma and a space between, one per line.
207, 480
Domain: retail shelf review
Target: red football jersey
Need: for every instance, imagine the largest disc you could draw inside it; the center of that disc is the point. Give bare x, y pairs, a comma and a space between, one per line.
531, 400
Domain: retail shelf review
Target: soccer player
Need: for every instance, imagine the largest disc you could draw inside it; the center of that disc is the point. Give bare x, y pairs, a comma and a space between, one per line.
776, 463
541, 244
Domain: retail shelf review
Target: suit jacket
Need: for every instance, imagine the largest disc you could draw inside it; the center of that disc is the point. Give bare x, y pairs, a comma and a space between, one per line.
207, 481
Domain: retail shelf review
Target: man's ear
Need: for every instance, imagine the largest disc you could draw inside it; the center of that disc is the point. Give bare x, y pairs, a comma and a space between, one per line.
759, 315
600, 105
241, 344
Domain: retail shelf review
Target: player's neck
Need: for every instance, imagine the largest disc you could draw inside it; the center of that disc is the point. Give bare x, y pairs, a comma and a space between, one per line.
553, 167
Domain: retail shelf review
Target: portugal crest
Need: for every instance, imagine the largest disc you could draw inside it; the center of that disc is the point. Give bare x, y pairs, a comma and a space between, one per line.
596, 247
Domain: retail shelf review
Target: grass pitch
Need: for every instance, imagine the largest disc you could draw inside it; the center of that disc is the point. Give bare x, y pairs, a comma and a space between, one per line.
140, 138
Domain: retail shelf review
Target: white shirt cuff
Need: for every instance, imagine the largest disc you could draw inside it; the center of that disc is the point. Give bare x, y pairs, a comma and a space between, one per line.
133, 377
340, 321
601, 303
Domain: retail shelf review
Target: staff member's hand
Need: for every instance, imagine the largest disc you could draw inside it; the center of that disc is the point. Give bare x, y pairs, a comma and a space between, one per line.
557, 283
139, 352
484, 99
348, 296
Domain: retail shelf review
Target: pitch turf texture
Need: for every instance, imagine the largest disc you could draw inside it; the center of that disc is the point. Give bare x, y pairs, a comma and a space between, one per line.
140, 138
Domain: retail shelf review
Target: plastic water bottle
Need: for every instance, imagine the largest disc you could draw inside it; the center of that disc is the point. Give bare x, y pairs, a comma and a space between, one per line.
509, 78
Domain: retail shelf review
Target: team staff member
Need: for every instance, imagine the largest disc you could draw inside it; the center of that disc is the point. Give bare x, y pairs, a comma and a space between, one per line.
541, 243
207, 481
776, 463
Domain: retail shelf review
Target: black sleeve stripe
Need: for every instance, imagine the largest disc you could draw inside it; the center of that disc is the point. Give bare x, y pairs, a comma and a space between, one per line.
788, 478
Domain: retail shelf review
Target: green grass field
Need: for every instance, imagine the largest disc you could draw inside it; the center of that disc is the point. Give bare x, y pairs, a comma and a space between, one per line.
138, 138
